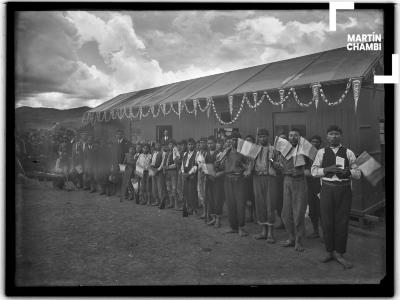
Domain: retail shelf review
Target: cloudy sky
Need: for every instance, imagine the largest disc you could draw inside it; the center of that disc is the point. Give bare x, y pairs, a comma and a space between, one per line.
76, 58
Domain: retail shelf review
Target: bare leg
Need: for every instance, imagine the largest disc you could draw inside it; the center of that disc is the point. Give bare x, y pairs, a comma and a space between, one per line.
242, 232
263, 234
270, 236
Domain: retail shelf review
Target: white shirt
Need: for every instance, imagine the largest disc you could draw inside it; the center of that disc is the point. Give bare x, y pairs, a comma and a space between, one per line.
318, 171
200, 160
154, 157
144, 160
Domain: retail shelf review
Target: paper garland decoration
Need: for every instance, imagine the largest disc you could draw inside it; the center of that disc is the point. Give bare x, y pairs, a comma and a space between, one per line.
356, 91
230, 99
317, 90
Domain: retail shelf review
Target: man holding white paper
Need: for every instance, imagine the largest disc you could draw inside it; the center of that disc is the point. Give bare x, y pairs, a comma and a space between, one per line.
295, 166
335, 165
264, 185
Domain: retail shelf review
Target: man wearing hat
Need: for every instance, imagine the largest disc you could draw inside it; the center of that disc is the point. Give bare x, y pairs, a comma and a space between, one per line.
235, 165
264, 185
335, 165
295, 167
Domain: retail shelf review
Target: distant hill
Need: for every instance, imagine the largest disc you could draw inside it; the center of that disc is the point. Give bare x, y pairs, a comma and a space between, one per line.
44, 118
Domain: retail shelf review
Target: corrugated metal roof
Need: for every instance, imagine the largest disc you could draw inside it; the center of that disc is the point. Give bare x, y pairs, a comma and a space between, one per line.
333, 65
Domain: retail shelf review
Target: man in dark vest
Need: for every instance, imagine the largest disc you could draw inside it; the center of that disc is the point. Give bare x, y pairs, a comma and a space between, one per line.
121, 147
157, 175
189, 176
314, 189
335, 165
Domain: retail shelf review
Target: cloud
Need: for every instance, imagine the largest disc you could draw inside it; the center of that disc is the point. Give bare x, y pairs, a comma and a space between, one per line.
51, 72
137, 50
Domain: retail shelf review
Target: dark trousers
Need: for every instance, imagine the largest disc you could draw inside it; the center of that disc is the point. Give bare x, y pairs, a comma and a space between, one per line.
158, 187
215, 195
126, 181
144, 185
249, 190
179, 189
294, 206
314, 188
264, 191
190, 192
335, 211
279, 194
234, 195
171, 180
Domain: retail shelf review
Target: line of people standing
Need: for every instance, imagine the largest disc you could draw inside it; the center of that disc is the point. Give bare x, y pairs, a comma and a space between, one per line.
199, 177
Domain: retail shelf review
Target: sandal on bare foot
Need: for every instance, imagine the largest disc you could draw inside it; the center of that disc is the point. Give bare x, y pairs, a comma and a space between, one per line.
211, 222
288, 243
326, 258
346, 264
313, 235
271, 240
299, 247
243, 233
260, 236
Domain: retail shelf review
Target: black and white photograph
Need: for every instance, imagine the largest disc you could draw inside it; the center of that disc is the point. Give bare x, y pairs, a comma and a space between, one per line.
201, 145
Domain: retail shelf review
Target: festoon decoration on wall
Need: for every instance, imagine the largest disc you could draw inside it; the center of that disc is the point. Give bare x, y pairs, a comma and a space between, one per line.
284, 94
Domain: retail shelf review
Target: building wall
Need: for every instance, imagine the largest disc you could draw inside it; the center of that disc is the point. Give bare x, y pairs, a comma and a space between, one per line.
360, 130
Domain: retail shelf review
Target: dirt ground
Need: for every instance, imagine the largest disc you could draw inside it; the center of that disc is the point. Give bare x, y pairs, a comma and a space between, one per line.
76, 238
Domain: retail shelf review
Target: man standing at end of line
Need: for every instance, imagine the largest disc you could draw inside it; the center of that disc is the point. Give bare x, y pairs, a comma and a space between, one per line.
335, 165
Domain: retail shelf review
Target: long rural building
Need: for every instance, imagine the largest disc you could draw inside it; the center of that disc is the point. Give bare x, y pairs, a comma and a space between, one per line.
309, 92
